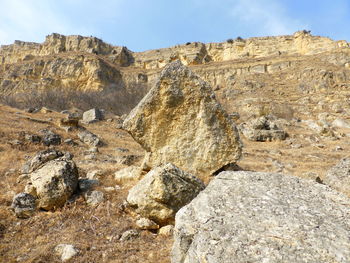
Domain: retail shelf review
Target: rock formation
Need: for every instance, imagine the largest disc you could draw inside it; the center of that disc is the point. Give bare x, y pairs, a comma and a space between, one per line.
162, 192
263, 217
179, 121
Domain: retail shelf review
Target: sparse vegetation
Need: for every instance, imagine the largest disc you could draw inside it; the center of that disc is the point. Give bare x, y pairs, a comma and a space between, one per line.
230, 40
114, 100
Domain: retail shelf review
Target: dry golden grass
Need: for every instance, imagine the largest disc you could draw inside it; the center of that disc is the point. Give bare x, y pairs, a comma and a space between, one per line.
93, 230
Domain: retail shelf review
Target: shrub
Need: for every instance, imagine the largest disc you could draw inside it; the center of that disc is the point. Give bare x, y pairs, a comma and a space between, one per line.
230, 40
117, 100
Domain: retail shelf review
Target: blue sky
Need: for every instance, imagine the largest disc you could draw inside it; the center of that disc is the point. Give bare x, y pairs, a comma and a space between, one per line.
142, 25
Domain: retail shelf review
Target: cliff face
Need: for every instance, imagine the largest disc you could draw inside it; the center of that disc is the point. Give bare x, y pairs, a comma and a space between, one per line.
253, 75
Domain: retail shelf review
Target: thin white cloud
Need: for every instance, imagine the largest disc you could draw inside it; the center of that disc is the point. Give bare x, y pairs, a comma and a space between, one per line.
31, 20
268, 17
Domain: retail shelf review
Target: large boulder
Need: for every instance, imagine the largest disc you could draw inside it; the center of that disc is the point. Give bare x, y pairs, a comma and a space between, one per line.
179, 121
162, 192
338, 177
263, 217
54, 182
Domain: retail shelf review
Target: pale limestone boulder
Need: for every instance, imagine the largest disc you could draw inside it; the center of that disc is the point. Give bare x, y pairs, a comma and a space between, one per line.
54, 182
180, 121
162, 192
263, 217
338, 177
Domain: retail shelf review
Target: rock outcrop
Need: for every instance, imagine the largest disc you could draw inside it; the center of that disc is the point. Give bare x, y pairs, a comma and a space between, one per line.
162, 192
179, 121
263, 217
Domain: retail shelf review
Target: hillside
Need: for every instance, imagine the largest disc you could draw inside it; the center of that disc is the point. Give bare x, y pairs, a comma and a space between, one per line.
298, 83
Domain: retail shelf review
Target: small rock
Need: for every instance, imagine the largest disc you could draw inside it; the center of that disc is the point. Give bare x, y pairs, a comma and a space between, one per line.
146, 224
51, 138
66, 251
92, 115
94, 198
23, 205
89, 138
166, 230
33, 138
87, 184
338, 148
129, 235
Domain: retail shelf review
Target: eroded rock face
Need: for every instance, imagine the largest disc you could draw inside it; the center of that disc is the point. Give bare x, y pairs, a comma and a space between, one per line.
263, 217
179, 121
338, 177
162, 192
54, 182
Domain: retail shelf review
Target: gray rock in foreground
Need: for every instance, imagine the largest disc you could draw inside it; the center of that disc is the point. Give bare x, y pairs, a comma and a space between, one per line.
338, 177
263, 217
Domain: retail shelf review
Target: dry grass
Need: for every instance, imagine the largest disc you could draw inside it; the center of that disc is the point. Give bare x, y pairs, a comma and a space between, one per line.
114, 99
93, 230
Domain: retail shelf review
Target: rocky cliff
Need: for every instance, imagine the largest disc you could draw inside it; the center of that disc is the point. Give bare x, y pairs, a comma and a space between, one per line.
281, 69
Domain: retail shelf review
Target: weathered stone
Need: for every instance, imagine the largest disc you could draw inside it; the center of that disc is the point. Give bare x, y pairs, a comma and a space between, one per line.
40, 159
33, 138
89, 138
166, 230
129, 235
92, 115
146, 224
54, 182
50, 138
66, 251
179, 121
263, 217
23, 205
131, 173
338, 177
162, 192
263, 129
87, 184
94, 198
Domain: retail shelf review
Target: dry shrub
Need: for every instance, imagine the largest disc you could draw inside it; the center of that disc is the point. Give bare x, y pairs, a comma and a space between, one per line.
113, 99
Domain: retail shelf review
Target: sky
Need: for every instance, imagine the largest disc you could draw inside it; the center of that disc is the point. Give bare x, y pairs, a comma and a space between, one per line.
150, 24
